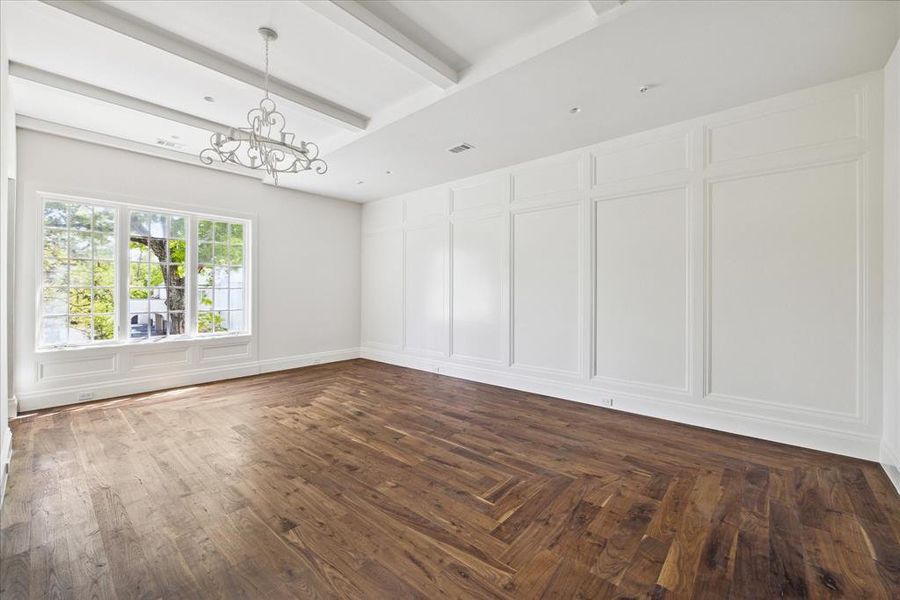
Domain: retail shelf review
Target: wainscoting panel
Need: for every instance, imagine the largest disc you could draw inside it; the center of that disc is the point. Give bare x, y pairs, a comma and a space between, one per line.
783, 290
426, 298
641, 289
723, 271
427, 207
478, 267
556, 176
642, 160
76, 366
828, 120
486, 194
382, 288
546, 291
224, 350
382, 215
159, 358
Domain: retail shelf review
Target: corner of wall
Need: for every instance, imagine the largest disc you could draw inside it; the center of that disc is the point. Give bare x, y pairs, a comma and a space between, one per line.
890, 435
7, 170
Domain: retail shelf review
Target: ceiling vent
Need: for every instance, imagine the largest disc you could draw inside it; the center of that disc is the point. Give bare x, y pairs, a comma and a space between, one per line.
461, 148
169, 144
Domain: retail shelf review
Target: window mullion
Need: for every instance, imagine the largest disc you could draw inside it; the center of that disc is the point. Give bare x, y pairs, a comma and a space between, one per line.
190, 304
122, 273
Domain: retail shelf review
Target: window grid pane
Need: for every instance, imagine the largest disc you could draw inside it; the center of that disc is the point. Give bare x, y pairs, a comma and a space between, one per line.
78, 279
80, 274
220, 283
157, 274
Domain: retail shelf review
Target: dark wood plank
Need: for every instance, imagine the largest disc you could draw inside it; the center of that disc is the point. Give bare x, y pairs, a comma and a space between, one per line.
362, 480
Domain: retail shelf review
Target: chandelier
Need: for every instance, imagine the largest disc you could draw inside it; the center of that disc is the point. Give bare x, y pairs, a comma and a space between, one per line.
264, 144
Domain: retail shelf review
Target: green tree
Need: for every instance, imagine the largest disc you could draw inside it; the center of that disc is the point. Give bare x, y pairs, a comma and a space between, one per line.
169, 272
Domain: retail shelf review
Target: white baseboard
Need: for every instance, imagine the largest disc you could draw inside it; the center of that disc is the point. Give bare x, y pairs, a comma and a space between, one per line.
5, 456
306, 360
853, 444
891, 464
61, 396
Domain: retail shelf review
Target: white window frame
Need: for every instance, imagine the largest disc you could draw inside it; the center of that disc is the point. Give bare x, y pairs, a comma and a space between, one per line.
194, 250
122, 262
39, 267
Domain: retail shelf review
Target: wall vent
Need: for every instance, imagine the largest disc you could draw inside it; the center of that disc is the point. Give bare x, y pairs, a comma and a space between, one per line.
461, 148
169, 143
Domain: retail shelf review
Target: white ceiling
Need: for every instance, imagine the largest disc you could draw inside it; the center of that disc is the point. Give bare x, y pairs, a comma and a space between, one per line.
521, 66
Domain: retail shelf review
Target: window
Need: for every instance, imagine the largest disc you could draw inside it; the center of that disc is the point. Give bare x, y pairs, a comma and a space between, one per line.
159, 262
79, 274
157, 251
220, 276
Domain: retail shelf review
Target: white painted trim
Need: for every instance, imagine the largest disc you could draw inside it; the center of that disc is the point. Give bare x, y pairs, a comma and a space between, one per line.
891, 464
794, 432
138, 385
5, 456
601, 7
358, 20
142, 31
61, 82
304, 360
101, 139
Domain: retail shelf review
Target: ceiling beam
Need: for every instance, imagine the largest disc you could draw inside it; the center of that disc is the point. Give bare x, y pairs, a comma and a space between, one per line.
602, 6
102, 139
61, 82
138, 29
361, 22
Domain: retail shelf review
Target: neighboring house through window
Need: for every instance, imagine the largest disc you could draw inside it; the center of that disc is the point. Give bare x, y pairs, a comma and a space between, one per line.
167, 259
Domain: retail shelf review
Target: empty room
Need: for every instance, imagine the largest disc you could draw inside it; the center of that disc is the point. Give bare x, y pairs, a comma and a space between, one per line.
490, 299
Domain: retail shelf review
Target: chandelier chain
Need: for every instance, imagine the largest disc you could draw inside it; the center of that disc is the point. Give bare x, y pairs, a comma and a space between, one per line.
267, 66
264, 143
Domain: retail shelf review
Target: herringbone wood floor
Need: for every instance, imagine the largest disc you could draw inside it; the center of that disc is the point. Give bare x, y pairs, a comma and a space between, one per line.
369, 481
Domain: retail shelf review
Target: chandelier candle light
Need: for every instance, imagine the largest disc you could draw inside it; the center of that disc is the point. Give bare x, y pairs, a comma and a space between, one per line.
265, 144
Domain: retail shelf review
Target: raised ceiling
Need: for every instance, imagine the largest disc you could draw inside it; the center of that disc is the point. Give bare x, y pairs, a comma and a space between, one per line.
390, 86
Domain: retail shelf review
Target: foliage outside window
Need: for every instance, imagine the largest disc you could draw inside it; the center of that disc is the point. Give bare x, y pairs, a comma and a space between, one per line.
78, 274
220, 276
156, 254
166, 259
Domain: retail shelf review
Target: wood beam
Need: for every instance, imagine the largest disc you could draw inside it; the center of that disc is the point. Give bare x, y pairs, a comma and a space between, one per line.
603, 6
61, 82
138, 29
102, 139
355, 18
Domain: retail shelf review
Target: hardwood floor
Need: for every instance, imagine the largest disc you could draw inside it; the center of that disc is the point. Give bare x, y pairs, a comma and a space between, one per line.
364, 480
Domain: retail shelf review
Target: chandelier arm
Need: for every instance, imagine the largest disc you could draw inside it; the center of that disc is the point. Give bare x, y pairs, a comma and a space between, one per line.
264, 144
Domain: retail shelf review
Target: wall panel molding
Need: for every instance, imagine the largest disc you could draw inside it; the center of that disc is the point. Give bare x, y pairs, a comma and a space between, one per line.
859, 414
159, 382
776, 141
686, 233
758, 423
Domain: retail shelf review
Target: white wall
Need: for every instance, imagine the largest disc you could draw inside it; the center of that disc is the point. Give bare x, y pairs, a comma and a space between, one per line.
306, 255
7, 171
724, 272
890, 451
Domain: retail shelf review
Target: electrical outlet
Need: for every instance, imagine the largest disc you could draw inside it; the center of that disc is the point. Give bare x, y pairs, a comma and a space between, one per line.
606, 402
436, 369
85, 395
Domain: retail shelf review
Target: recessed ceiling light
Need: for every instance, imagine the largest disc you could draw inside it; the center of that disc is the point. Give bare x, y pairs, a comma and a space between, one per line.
360, 182
575, 110
387, 172
209, 98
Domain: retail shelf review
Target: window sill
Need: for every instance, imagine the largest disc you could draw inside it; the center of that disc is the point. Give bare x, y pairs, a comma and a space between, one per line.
202, 340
